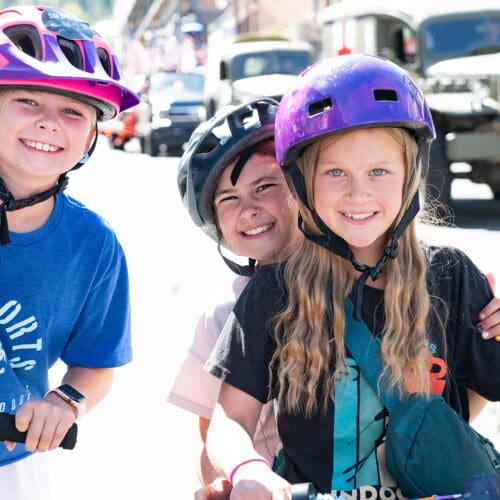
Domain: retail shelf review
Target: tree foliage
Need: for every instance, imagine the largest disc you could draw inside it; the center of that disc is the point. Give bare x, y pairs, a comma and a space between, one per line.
89, 10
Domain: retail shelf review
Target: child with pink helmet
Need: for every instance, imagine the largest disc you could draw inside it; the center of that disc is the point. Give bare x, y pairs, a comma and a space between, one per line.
64, 293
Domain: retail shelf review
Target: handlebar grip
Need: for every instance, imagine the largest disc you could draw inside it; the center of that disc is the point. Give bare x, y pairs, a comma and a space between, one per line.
9, 432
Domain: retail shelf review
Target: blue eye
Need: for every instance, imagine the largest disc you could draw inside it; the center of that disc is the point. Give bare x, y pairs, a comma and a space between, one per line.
377, 172
336, 172
72, 111
29, 102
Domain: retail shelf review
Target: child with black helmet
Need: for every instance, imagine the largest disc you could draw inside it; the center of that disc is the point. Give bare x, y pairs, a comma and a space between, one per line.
234, 190
352, 135
64, 292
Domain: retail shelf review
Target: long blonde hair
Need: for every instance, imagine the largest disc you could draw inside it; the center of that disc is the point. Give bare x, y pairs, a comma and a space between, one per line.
308, 342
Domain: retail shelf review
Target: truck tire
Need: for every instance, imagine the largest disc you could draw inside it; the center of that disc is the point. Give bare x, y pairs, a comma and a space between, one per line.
439, 177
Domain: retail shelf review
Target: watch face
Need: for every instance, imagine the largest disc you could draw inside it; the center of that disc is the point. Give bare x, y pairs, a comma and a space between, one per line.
72, 393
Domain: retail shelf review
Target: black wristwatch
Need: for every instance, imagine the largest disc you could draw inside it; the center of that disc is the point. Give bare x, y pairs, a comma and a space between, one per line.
72, 397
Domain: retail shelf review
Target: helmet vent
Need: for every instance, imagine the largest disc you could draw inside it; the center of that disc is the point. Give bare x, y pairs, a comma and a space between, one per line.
320, 106
209, 144
105, 60
71, 51
385, 95
26, 39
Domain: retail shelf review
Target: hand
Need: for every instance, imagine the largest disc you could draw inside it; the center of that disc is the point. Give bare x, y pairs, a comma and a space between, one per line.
257, 482
219, 489
489, 326
46, 421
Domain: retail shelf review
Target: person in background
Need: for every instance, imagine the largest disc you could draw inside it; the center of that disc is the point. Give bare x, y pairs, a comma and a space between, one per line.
64, 293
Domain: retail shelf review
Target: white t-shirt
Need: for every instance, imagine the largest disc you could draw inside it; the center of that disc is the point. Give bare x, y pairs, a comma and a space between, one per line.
196, 390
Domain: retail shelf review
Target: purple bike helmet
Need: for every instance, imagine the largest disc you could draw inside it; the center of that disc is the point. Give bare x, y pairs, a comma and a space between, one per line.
50, 49
342, 93
346, 92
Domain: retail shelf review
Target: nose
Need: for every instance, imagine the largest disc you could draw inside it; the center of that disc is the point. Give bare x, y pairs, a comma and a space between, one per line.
249, 207
357, 188
48, 121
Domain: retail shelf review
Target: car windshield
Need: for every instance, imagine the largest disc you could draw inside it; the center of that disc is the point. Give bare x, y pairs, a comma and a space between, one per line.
176, 83
266, 63
462, 37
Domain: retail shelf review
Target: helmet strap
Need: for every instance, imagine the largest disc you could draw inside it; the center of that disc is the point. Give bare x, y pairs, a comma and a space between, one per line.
10, 204
87, 154
248, 270
337, 245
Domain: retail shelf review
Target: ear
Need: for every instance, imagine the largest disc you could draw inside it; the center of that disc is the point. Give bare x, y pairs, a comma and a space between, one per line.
91, 137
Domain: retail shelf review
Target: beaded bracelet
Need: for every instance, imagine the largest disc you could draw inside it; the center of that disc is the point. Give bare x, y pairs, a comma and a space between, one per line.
233, 472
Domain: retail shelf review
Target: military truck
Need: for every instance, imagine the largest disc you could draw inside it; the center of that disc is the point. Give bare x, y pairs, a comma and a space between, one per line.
452, 50
252, 67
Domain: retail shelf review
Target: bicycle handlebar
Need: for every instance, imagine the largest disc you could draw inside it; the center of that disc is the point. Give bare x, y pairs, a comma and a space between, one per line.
480, 487
9, 432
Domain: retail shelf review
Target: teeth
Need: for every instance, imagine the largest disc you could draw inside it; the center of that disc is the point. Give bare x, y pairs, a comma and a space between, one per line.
258, 230
41, 146
358, 216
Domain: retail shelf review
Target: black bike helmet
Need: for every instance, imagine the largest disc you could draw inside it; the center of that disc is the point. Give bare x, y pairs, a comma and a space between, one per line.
233, 133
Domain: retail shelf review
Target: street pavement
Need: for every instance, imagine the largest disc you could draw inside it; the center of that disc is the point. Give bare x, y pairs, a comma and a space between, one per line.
134, 445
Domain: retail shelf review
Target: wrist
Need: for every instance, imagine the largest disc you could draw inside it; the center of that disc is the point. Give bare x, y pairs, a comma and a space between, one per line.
251, 462
73, 398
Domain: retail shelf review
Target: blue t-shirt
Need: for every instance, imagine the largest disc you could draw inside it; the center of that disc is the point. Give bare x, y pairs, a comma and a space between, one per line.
64, 294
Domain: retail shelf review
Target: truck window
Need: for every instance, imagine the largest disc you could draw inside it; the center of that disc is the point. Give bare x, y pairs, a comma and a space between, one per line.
463, 36
270, 62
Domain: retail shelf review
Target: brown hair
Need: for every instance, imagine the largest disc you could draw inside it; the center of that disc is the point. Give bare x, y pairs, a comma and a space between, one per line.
308, 340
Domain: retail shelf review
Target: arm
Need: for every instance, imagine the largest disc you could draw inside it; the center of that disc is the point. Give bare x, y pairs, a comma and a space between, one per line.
230, 447
48, 419
215, 487
476, 404
206, 471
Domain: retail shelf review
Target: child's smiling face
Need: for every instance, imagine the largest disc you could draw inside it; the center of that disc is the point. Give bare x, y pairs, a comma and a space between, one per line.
358, 188
43, 135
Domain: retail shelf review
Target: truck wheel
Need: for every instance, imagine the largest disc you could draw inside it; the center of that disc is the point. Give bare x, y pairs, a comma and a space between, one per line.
439, 177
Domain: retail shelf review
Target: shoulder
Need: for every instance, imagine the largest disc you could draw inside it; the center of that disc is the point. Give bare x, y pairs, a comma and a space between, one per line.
443, 256
76, 210
266, 293
446, 262
220, 303
83, 224
453, 276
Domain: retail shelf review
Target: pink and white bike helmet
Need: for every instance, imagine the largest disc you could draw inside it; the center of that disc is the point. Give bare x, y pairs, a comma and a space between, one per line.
49, 49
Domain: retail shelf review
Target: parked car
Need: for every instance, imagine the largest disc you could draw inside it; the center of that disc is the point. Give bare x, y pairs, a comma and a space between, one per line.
452, 49
171, 108
248, 69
